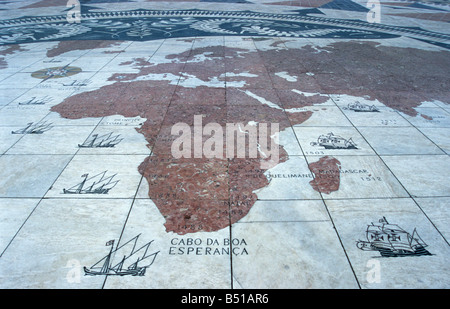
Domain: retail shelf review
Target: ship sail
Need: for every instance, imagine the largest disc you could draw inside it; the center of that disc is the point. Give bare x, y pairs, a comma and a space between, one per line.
33, 101
103, 141
133, 261
98, 184
31, 128
419, 241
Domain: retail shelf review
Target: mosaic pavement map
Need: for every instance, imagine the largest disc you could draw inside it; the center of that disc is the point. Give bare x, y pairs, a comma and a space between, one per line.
349, 189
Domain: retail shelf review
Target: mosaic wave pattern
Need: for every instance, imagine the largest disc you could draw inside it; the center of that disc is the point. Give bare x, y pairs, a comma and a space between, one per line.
150, 25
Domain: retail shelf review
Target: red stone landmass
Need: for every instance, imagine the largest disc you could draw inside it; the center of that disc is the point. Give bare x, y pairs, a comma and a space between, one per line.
326, 175
210, 194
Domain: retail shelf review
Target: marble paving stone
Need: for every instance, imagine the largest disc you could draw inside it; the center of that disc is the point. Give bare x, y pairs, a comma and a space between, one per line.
99, 170
290, 255
8, 95
323, 116
93, 64
287, 211
250, 96
60, 140
26, 81
44, 62
19, 63
119, 64
289, 180
308, 136
70, 48
199, 96
13, 214
30, 175
5, 75
352, 218
343, 100
261, 80
116, 48
62, 237
437, 210
442, 104
430, 117
254, 64
86, 78
149, 47
8, 139
398, 140
195, 79
294, 99
209, 62
288, 140
439, 136
21, 115
121, 140
119, 121
63, 88
200, 260
358, 177
414, 171
244, 43
43, 95
385, 117
300, 78
228, 136
56, 120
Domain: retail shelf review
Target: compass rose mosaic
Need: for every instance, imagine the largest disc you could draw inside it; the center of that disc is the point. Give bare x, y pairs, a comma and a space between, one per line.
56, 72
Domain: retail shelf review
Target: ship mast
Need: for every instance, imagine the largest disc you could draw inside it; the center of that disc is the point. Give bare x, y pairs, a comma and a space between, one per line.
105, 267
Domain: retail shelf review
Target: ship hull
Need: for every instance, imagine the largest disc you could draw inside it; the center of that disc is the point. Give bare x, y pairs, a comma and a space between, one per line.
337, 147
132, 272
388, 252
99, 146
104, 191
418, 251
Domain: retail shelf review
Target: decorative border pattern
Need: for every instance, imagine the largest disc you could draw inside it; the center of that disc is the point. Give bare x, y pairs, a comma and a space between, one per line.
143, 25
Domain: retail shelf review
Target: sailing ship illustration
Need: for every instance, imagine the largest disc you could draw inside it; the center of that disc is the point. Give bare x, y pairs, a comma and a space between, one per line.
34, 101
102, 141
132, 260
331, 141
77, 83
33, 128
98, 184
390, 240
360, 107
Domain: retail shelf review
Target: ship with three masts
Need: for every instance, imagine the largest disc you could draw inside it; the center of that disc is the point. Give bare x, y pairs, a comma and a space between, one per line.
132, 260
35, 101
331, 141
390, 240
360, 107
98, 184
33, 128
102, 141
